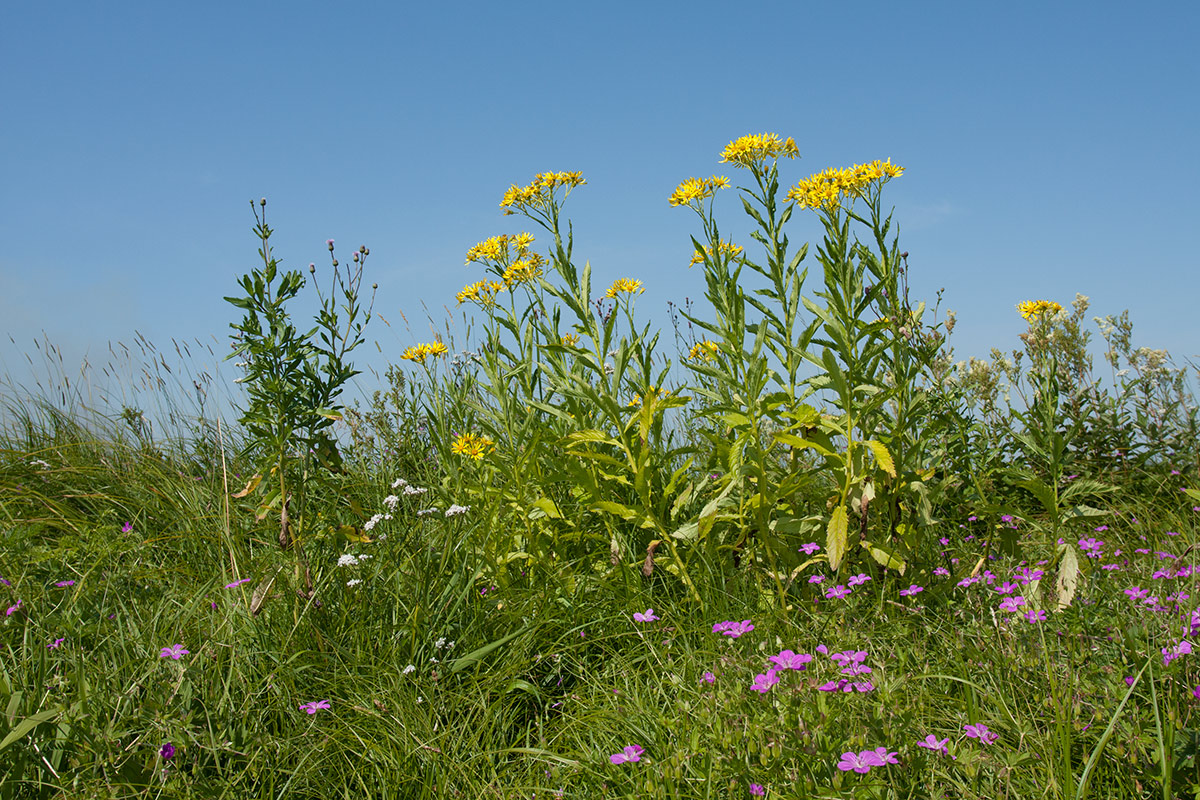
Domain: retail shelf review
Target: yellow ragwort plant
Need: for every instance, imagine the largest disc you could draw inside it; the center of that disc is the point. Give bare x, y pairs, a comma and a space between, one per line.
482, 293
624, 285
704, 351
826, 189
729, 248
695, 190
756, 148
472, 446
538, 195
420, 352
1032, 309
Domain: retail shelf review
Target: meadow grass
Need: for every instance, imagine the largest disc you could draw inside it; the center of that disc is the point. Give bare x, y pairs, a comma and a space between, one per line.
556, 566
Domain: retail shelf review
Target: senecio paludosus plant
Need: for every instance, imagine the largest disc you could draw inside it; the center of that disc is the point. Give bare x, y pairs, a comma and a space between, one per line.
563, 431
293, 380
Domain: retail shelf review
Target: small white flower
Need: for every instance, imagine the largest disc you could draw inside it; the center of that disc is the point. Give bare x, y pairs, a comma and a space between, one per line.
364, 558
373, 521
412, 490
440, 643
353, 582
408, 669
420, 699
399, 482
455, 510
347, 560
37, 462
391, 501
425, 512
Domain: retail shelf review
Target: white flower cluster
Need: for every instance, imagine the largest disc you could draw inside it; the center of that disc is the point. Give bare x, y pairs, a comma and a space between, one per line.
37, 462
353, 582
442, 644
425, 512
375, 520
413, 490
454, 510
391, 502
349, 560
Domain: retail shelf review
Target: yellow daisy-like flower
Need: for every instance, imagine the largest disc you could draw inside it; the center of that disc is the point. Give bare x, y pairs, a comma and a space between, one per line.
570, 339
624, 285
755, 148
704, 350
472, 446
482, 293
696, 189
526, 270
538, 194
637, 398
420, 352
826, 189
1031, 309
730, 249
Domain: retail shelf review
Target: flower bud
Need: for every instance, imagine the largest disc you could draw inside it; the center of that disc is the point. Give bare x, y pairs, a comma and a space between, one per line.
335, 262
330, 243
312, 268
262, 202
374, 285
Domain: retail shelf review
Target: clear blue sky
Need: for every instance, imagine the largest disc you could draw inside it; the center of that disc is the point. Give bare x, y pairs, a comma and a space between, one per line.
1050, 148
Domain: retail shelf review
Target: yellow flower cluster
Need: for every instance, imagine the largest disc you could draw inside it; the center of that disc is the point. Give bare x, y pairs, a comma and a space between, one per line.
570, 339
524, 270
468, 444
624, 285
537, 195
483, 293
729, 248
750, 150
637, 398
695, 189
826, 189
497, 248
1035, 308
704, 350
420, 352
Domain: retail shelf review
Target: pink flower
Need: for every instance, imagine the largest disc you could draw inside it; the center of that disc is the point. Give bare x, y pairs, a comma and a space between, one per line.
13, 609
314, 706
733, 629
810, 548
757, 790
237, 583
631, 753
64, 584
175, 651
708, 677
1033, 617
127, 527
911, 590
764, 681
981, 733
931, 742
837, 592
1012, 603
54, 645
647, 616
789, 660
883, 756
859, 579
856, 762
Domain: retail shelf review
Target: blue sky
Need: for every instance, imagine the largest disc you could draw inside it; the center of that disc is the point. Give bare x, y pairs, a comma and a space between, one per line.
1049, 148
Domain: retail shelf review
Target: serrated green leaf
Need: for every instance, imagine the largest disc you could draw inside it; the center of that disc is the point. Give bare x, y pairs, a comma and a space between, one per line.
882, 456
836, 536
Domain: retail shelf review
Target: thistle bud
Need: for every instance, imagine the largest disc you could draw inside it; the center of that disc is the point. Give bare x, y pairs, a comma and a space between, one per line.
262, 202
356, 258
330, 243
312, 268
335, 262
374, 285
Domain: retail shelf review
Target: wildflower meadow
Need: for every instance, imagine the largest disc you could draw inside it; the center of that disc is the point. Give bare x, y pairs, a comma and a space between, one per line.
793, 548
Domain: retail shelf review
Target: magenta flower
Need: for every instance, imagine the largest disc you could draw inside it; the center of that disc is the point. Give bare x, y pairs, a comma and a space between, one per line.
757, 790
941, 572
857, 669
789, 660
64, 584
631, 753
13, 609
167, 751
733, 629
314, 706
816, 578
175, 651
837, 592
858, 580
810, 548
1171, 653
856, 762
849, 657
708, 677
1012, 603
1033, 617
981, 733
1136, 592
127, 527
764, 681
237, 583
911, 590
1196, 693
54, 645
647, 616
884, 757
931, 742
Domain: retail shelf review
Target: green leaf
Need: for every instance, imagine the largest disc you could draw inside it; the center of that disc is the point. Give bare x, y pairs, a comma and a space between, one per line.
882, 456
886, 557
28, 724
475, 656
835, 537
1068, 576
544, 507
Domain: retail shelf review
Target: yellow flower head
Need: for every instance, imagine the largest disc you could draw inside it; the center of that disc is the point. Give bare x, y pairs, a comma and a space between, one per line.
637, 398
538, 195
693, 190
570, 339
826, 189
525, 270
472, 446
704, 351
1032, 309
728, 248
482, 293
755, 148
624, 285
420, 352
